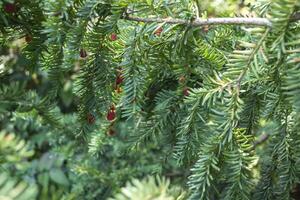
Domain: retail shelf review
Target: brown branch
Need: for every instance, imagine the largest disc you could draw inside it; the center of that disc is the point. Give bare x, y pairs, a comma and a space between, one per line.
202, 22
212, 21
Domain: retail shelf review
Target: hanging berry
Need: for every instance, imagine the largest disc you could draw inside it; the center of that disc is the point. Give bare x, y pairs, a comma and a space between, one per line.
111, 132
119, 79
111, 115
186, 91
158, 31
90, 118
28, 38
10, 8
113, 37
83, 53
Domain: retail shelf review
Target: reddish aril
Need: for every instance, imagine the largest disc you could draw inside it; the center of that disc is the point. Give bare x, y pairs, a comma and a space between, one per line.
10, 8
83, 53
111, 115
119, 79
186, 91
113, 37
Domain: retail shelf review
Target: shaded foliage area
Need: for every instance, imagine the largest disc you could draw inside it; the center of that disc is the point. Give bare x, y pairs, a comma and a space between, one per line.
90, 100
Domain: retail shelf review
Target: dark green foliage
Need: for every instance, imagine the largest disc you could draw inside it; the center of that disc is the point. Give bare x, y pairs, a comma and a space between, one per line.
215, 109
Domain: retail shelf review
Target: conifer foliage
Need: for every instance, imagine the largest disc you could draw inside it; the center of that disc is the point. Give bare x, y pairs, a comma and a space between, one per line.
96, 93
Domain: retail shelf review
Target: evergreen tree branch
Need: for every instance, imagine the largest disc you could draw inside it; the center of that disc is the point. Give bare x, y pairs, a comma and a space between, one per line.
250, 58
212, 21
202, 22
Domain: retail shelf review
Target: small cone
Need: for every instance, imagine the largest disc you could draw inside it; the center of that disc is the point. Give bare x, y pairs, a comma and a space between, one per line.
28, 38
158, 31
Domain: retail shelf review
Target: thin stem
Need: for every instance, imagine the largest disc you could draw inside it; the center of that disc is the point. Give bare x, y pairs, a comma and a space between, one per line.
202, 22
211, 21
258, 45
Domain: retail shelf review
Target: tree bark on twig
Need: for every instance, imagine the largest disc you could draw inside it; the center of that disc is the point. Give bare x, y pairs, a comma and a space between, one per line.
211, 21
201, 22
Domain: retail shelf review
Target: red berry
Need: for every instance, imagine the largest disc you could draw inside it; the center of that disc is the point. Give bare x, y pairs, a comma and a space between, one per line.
158, 31
113, 37
119, 79
186, 92
83, 53
111, 132
90, 118
10, 8
111, 115
28, 38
